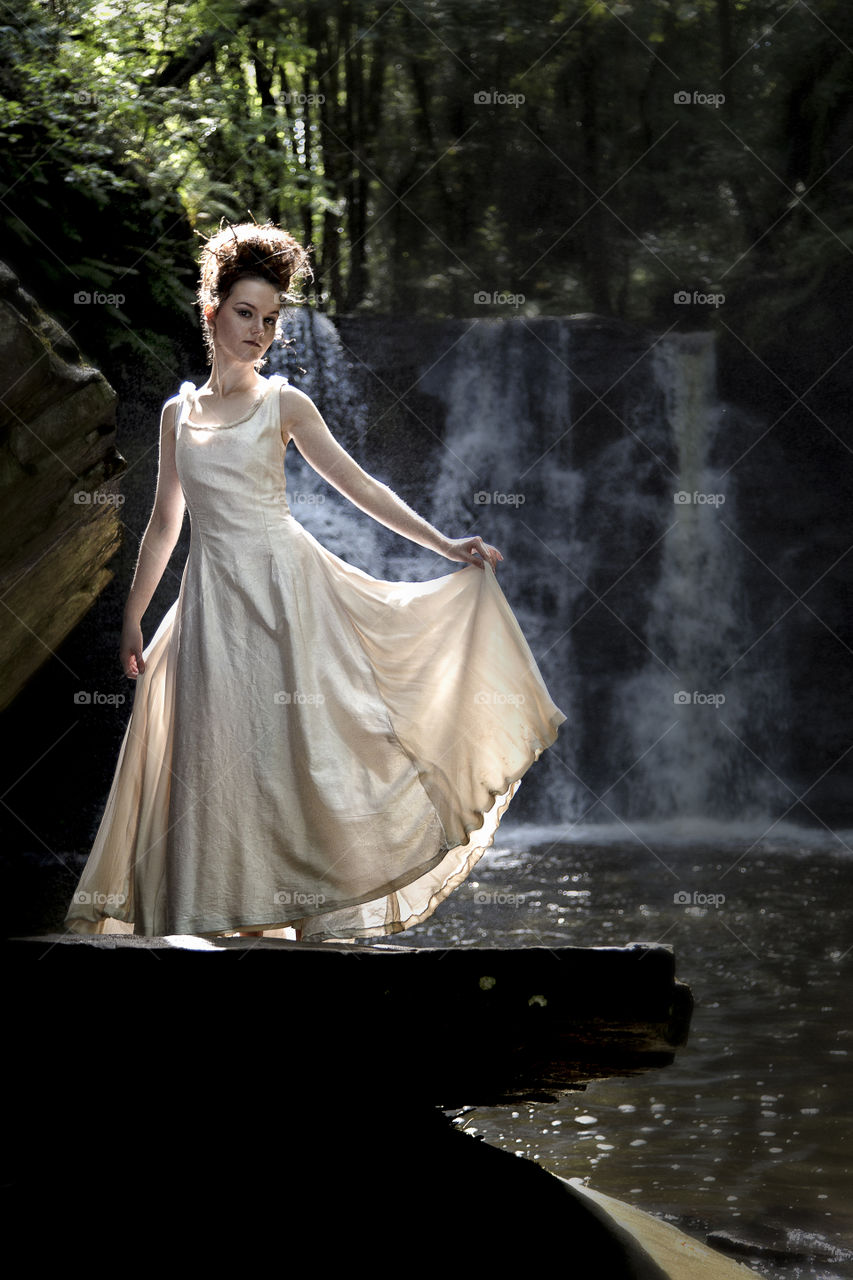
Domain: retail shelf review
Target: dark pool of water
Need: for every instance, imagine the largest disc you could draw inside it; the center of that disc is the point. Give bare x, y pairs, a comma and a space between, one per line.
750, 1128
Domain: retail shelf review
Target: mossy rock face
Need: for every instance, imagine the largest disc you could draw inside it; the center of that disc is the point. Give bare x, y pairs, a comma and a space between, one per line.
59, 472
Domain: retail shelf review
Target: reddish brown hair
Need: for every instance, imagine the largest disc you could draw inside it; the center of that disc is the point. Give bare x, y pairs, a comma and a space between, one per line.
264, 251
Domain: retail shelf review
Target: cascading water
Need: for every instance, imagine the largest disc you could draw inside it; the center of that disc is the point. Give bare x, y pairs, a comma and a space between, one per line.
314, 361
622, 561
687, 713
505, 472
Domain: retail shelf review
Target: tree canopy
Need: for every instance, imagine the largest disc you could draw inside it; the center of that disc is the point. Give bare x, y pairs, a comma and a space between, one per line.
447, 157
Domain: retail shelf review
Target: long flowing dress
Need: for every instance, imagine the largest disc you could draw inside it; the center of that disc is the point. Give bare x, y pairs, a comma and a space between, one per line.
309, 747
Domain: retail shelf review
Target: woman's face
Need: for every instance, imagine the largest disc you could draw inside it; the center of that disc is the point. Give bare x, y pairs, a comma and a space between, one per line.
244, 325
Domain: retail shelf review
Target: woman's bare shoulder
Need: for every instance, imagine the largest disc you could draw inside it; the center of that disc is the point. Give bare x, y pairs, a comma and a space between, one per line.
295, 405
169, 410
292, 394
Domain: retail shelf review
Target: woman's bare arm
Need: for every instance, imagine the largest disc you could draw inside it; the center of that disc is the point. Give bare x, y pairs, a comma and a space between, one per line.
304, 424
155, 549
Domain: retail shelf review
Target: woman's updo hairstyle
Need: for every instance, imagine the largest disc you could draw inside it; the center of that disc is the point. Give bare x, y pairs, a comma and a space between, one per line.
248, 249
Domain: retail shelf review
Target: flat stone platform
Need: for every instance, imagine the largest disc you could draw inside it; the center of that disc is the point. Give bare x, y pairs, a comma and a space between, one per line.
474, 1026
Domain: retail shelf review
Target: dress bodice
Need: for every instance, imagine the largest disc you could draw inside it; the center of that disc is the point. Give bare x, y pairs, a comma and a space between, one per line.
232, 475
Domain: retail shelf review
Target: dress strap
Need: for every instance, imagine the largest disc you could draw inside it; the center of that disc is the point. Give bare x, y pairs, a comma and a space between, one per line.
187, 389
278, 380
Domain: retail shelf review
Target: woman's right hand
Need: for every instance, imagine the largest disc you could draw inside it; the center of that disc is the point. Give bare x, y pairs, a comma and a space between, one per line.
472, 550
130, 650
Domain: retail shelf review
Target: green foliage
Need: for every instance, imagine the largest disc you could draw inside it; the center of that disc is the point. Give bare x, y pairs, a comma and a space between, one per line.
579, 181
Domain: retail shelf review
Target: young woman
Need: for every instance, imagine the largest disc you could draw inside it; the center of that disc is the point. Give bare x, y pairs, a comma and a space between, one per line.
310, 748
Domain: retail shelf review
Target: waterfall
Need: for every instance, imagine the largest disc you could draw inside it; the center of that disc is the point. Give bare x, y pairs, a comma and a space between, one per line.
591, 464
312, 357
504, 471
691, 711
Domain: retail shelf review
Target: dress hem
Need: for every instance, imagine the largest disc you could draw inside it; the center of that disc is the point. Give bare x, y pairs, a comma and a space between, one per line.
508, 790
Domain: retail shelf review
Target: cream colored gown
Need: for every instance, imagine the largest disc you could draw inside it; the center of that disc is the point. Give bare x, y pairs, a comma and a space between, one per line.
309, 746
